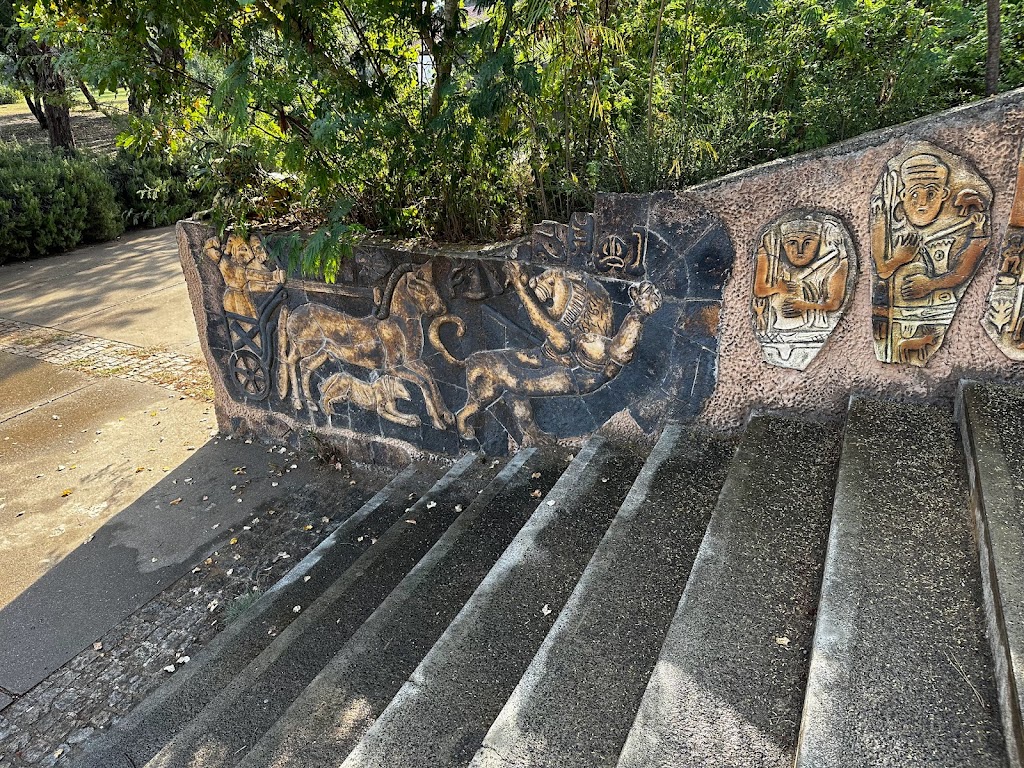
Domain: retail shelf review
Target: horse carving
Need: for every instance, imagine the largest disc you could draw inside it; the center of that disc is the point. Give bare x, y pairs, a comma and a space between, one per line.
389, 341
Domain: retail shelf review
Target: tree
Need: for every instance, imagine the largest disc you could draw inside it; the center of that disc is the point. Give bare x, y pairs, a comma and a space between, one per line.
992, 53
44, 85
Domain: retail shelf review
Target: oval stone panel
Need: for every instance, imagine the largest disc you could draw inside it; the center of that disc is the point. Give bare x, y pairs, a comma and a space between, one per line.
805, 268
930, 227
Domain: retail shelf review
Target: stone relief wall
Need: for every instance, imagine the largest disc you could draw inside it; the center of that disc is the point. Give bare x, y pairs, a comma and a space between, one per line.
926, 205
596, 322
805, 268
929, 231
863, 268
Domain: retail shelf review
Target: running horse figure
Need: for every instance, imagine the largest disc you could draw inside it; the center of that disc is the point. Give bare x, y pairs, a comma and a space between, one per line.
388, 342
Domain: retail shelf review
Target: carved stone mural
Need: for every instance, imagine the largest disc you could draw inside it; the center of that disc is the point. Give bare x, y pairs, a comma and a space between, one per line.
805, 269
580, 352
1004, 318
536, 340
930, 226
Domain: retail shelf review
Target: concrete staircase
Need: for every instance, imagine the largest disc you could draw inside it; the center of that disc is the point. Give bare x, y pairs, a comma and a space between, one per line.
809, 595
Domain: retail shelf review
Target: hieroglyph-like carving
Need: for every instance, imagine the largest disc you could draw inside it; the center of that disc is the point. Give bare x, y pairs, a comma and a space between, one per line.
576, 244
929, 229
581, 350
387, 343
1004, 317
805, 269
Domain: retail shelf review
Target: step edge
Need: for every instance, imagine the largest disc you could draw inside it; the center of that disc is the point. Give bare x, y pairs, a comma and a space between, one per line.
989, 480
634, 750
835, 633
536, 523
122, 729
402, 591
308, 617
504, 728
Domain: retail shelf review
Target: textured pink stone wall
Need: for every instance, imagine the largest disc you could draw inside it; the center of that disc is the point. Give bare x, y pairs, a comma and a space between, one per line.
840, 180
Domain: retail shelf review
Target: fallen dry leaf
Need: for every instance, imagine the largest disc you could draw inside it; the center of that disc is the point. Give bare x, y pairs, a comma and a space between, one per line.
66, 492
176, 501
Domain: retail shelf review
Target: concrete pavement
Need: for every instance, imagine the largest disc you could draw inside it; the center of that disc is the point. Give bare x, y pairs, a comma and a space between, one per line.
113, 484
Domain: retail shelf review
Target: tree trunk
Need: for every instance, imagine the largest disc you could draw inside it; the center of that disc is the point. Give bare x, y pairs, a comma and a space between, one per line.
443, 53
58, 119
36, 108
136, 104
88, 96
56, 104
992, 58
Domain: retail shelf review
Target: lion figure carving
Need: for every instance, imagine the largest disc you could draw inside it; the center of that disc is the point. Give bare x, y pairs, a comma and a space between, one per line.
581, 351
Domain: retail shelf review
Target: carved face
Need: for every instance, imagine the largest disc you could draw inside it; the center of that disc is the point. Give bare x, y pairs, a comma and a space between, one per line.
553, 290
801, 247
923, 202
424, 295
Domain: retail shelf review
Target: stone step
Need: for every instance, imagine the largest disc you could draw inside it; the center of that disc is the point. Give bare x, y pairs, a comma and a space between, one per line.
727, 687
145, 730
243, 711
440, 716
901, 673
339, 706
992, 427
574, 706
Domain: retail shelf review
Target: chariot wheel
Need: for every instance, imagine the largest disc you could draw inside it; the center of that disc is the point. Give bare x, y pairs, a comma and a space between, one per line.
249, 374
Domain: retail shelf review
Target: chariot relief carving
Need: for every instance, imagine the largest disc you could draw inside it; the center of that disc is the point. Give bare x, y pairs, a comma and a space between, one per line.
1004, 316
930, 226
581, 349
253, 291
805, 269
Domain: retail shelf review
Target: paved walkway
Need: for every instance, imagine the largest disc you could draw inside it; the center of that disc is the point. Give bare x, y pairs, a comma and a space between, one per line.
129, 529
90, 415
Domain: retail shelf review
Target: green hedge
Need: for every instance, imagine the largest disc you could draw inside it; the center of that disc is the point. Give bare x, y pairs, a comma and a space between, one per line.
155, 190
51, 202
9, 94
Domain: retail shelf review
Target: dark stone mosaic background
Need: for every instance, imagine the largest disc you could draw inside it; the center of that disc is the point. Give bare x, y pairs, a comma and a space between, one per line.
669, 239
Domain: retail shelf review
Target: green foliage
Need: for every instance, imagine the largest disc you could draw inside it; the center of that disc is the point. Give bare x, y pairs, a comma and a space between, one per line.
441, 121
50, 202
9, 94
155, 190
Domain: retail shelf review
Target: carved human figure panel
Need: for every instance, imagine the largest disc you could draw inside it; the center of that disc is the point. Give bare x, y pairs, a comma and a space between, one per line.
581, 350
930, 227
246, 268
1004, 317
805, 269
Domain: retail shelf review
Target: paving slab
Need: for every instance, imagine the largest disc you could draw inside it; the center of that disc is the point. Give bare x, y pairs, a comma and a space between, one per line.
86, 545
80, 459
29, 383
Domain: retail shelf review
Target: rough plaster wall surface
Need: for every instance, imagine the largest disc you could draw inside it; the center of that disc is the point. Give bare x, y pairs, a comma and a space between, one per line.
839, 180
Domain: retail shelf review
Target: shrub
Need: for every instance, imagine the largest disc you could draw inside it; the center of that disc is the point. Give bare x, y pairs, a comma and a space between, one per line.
154, 190
9, 94
51, 202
